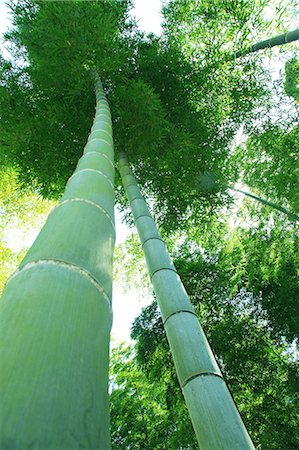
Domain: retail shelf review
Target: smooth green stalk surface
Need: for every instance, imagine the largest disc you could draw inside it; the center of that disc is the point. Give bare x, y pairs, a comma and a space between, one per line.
282, 39
56, 314
215, 418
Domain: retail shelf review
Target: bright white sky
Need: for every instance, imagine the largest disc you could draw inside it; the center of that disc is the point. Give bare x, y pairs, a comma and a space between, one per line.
148, 15
125, 306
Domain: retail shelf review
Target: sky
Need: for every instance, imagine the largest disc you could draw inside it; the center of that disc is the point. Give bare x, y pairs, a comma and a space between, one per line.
126, 306
4, 23
148, 15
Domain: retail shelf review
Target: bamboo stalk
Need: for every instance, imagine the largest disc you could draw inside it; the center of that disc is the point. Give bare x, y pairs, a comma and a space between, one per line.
290, 214
214, 416
56, 314
281, 39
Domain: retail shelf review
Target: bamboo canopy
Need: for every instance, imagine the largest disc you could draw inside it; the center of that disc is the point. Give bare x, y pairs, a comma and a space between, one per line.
56, 314
281, 39
215, 418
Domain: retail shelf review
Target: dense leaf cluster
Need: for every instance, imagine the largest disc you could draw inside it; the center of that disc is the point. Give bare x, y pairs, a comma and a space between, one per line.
47, 93
254, 361
174, 116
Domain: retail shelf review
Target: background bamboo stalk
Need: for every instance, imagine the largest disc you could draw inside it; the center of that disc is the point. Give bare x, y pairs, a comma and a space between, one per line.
56, 314
214, 416
281, 39
290, 214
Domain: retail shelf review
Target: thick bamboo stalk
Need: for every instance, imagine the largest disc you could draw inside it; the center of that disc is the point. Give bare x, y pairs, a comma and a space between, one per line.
290, 214
214, 416
56, 314
282, 39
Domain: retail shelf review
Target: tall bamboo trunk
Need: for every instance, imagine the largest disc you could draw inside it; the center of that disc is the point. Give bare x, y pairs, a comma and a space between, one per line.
214, 416
282, 39
290, 214
56, 314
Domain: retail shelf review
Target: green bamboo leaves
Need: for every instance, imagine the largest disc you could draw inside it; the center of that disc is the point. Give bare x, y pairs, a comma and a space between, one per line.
56, 314
214, 416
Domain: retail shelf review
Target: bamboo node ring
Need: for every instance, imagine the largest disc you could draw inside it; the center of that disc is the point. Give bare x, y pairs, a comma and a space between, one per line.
67, 265
179, 312
201, 374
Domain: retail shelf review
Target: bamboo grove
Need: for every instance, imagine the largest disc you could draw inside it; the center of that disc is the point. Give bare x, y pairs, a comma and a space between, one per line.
175, 107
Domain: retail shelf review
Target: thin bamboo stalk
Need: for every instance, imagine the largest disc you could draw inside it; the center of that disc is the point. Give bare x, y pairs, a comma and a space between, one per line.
56, 314
281, 39
214, 415
290, 214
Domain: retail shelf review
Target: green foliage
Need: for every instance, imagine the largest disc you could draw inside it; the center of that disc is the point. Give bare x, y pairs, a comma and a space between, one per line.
129, 266
174, 115
291, 84
62, 41
206, 98
140, 417
137, 414
21, 212
221, 21
18, 204
269, 161
259, 372
49, 97
9, 261
264, 259
228, 26
135, 104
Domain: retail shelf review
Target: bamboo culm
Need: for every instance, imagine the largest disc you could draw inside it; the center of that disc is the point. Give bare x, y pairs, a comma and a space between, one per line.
213, 413
281, 39
56, 313
290, 214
